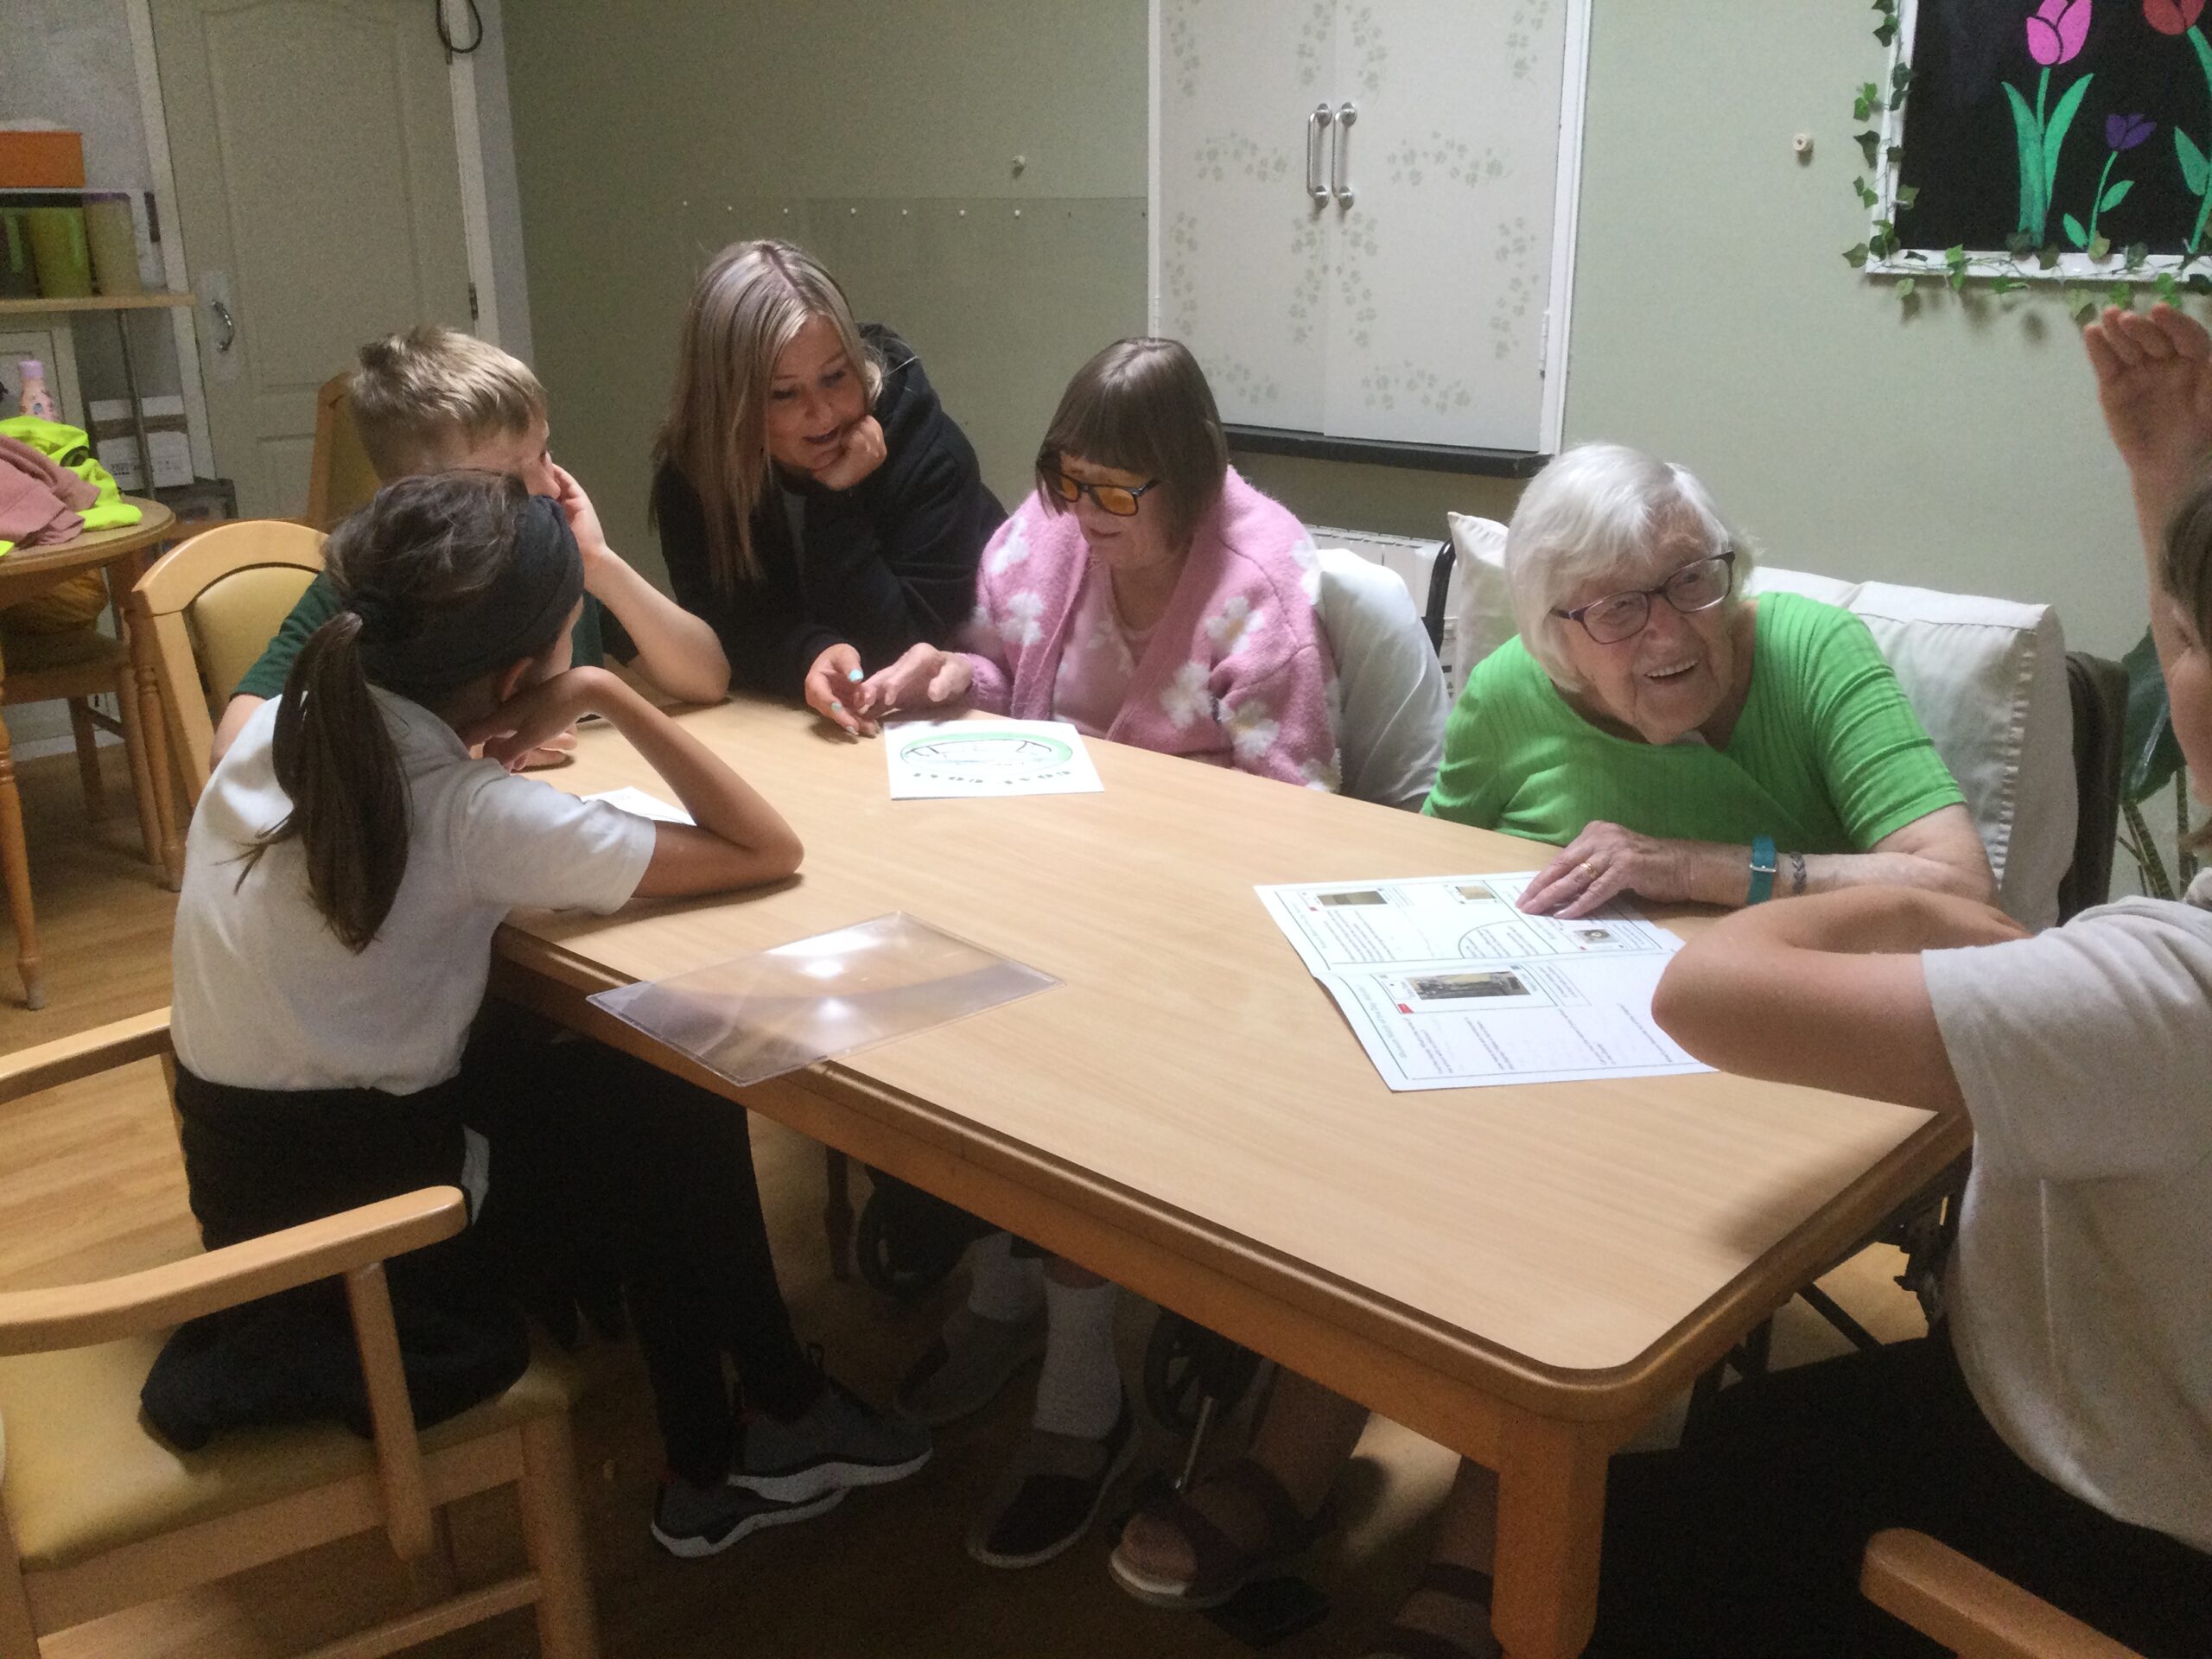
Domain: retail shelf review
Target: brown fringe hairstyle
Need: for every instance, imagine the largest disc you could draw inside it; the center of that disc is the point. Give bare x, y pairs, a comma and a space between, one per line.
421, 545
1142, 406
2185, 573
748, 305
414, 392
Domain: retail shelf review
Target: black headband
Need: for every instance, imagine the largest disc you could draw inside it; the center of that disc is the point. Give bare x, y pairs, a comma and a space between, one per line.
517, 616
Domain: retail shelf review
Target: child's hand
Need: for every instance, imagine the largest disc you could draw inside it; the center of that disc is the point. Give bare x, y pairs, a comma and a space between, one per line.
863, 452
833, 678
555, 751
583, 523
923, 677
2154, 381
537, 718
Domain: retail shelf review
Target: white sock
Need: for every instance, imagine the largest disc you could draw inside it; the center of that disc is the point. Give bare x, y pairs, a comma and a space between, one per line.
1079, 1389
1002, 1285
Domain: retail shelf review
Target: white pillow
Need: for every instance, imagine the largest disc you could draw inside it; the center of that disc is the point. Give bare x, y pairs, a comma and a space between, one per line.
1390, 735
1987, 678
1480, 606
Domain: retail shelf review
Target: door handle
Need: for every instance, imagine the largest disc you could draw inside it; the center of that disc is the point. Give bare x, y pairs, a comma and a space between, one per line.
1340, 154
1315, 123
230, 325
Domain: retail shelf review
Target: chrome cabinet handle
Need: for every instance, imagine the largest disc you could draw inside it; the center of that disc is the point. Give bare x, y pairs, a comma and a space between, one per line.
1340, 154
1315, 123
230, 325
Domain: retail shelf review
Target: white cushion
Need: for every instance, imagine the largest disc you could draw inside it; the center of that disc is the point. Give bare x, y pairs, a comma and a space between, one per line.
1478, 601
1391, 731
1987, 678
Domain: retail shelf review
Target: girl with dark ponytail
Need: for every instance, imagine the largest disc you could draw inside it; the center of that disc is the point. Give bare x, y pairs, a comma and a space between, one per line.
344, 872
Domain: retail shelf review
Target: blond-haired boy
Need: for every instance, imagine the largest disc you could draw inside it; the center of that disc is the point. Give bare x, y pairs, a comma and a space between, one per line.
433, 400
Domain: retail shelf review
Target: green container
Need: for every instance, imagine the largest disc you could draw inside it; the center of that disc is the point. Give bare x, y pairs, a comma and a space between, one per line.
18, 276
58, 248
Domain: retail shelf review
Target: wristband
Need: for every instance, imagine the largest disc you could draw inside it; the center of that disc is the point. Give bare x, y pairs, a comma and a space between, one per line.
1763, 867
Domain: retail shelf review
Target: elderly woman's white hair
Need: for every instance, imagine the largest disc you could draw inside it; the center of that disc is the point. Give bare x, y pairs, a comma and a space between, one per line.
1601, 519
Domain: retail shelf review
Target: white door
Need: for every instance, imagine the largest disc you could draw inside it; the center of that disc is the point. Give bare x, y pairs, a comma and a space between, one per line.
320, 192
1442, 259
1243, 254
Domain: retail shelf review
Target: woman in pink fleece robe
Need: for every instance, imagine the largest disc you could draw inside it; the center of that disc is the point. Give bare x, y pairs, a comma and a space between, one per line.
1144, 592
1147, 595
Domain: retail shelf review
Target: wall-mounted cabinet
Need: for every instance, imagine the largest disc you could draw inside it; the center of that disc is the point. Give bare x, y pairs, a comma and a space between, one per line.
1362, 213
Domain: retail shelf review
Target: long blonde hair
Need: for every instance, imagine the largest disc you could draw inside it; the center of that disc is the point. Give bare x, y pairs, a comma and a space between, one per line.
748, 305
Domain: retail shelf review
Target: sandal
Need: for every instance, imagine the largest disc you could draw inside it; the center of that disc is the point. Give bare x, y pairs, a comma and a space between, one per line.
1222, 1567
1448, 1579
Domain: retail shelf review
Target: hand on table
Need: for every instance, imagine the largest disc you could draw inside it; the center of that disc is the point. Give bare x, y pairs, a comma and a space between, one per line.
923, 678
1602, 862
539, 720
833, 678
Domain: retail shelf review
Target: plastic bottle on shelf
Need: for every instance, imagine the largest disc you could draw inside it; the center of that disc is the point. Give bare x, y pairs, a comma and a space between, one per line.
35, 399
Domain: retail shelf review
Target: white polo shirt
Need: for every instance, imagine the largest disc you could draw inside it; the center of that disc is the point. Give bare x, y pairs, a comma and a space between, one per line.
266, 995
2080, 1307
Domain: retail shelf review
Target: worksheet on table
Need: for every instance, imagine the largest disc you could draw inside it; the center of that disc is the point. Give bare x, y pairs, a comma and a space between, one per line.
1448, 985
934, 759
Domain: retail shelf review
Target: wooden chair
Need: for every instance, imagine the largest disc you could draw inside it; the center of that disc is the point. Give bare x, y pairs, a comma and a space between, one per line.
101, 1515
211, 606
1968, 1608
340, 475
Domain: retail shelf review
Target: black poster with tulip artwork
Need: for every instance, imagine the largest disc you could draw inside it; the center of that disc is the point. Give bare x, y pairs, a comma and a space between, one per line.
2084, 125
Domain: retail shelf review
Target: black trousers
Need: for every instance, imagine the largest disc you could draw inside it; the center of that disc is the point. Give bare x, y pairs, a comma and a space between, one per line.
605, 1173
1748, 1540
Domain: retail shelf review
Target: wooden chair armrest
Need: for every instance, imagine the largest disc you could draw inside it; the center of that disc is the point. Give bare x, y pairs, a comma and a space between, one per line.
77, 1316
1969, 1609
86, 1054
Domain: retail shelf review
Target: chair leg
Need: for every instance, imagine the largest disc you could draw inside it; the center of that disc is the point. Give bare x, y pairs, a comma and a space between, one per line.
553, 1533
18, 1629
16, 868
88, 758
136, 737
170, 812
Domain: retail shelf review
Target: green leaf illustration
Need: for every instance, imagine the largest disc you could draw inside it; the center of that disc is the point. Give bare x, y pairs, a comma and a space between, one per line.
1957, 279
2080, 303
1871, 142
2075, 233
2098, 247
2029, 141
1907, 194
2122, 294
2167, 288
1855, 255
2113, 197
2008, 285
1887, 31
1905, 286
2194, 167
2019, 244
2054, 135
2136, 254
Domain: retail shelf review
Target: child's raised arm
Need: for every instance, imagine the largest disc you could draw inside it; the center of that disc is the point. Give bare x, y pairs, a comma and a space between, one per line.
737, 839
677, 650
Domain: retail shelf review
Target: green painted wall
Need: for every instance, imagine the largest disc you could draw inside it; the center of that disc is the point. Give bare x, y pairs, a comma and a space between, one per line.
1949, 444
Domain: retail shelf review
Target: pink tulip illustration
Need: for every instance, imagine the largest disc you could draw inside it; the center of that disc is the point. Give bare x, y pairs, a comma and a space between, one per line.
2055, 33
2059, 29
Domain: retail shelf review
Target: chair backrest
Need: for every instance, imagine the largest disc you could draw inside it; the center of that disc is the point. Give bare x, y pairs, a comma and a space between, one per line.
339, 477
1391, 733
1986, 677
211, 606
2099, 689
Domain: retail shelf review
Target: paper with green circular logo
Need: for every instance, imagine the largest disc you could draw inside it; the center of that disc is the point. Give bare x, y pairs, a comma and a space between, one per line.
937, 759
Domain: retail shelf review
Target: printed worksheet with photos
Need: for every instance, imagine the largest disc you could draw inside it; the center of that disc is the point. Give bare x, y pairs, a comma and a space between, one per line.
1448, 985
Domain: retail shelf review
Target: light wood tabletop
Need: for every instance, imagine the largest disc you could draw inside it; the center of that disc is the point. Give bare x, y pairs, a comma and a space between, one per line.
1524, 1272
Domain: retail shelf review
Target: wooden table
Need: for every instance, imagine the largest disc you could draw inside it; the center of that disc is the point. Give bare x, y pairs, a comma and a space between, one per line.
119, 555
1524, 1273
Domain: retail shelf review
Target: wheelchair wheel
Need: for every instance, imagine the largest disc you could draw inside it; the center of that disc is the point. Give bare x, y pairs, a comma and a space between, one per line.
1184, 1363
905, 1263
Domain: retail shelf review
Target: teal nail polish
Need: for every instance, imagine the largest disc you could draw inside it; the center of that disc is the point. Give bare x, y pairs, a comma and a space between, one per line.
853, 674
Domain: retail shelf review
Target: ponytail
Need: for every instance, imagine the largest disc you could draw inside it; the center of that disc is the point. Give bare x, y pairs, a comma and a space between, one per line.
336, 759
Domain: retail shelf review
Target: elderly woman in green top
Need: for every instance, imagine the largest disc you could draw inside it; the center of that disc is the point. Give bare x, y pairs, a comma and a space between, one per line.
1677, 739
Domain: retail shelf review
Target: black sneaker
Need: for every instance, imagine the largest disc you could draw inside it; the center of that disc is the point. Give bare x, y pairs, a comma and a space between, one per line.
695, 1521
839, 1441
1050, 1494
